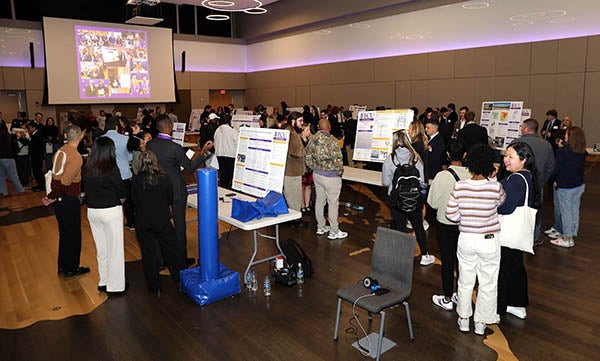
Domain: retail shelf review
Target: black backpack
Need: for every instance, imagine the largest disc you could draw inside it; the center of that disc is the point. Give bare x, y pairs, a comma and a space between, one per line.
294, 254
406, 187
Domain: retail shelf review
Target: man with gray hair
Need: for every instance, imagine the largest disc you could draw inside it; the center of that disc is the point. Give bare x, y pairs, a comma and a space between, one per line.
64, 197
544, 164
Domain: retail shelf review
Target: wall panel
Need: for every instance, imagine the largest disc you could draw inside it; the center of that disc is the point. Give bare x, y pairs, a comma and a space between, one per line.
512, 59
591, 108
544, 57
13, 78
571, 55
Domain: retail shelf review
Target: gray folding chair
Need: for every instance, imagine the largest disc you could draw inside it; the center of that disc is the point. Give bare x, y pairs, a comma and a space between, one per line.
392, 266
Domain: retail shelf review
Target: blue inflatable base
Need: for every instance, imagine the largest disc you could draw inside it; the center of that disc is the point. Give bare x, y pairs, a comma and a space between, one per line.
204, 292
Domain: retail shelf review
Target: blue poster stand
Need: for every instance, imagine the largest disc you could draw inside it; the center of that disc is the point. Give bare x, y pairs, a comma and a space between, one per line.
210, 281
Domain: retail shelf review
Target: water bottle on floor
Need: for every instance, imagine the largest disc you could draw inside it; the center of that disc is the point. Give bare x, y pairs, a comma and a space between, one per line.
300, 275
248, 280
267, 286
254, 282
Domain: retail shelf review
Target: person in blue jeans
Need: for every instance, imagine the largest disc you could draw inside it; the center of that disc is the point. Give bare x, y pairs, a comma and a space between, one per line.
8, 167
568, 181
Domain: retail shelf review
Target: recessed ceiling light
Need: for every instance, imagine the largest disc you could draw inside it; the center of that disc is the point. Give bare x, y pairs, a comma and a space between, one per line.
256, 11
217, 17
220, 3
528, 16
476, 5
360, 25
561, 20
322, 32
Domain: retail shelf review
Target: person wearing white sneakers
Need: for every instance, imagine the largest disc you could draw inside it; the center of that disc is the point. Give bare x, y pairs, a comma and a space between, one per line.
569, 186
474, 205
404, 153
519, 161
324, 157
439, 193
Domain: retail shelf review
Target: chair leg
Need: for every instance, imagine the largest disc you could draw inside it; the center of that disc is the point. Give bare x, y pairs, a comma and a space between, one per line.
380, 341
409, 320
337, 319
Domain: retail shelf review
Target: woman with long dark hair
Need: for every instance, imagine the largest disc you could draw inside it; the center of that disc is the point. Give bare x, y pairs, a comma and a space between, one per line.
51, 139
403, 153
152, 195
105, 194
519, 162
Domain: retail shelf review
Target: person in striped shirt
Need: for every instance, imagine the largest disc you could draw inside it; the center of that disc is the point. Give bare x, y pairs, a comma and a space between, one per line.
474, 205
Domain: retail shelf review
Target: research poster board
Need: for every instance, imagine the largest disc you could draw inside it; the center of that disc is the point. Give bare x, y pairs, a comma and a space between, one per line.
355, 109
374, 133
502, 120
178, 133
241, 111
260, 160
194, 122
244, 120
295, 109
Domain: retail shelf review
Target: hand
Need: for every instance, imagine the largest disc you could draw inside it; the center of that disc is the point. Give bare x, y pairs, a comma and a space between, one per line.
207, 146
47, 201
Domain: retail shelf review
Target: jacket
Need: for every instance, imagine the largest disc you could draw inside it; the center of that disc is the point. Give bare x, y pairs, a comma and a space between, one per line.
323, 153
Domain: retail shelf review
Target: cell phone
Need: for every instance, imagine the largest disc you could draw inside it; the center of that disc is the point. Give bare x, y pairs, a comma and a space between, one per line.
230, 195
381, 291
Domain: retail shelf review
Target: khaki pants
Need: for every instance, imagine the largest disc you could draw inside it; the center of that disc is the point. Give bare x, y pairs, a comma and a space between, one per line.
327, 190
292, 190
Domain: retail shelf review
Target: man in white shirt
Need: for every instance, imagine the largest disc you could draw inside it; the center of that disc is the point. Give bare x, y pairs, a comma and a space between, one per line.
226, 141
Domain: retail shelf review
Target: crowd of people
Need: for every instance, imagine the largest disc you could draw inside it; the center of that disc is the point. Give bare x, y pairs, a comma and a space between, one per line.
466, 188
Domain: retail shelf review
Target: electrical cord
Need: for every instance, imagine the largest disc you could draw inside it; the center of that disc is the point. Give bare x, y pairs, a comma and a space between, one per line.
362, 350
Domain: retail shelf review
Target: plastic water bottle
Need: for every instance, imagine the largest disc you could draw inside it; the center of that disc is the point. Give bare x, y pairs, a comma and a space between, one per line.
300, 275
254, 282
267, 286
248, 280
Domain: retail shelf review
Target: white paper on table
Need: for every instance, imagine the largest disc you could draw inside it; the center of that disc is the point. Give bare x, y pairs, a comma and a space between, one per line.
190, 153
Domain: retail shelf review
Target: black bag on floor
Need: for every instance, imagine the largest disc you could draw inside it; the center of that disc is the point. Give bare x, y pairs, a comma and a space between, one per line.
294, 254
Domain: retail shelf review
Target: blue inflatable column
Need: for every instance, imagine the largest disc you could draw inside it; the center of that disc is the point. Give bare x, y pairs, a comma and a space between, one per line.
210, 281
208, 223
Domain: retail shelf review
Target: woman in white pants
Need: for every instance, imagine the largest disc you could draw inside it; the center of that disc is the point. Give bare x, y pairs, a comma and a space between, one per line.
474, 205
105, 193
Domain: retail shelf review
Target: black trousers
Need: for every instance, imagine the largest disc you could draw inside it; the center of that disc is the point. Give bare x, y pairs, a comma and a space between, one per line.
512, 280
416, 219
226, 165
179, 207
128, 205
68, 216
448, 240
23, 168
160, 237
37, 165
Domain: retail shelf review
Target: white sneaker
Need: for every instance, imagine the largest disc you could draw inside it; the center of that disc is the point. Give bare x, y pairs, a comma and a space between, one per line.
463, 324
520, 312
425, 225
550, 230
455, 298
323, 230
338, 235
563, 242
554, 234
427, 259
440, 300
480, 328
409, 225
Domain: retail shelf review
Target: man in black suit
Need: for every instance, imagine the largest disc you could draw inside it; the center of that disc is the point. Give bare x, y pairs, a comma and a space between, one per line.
452, 116
436, 147
550, 127
171, 157
472, 133
37, 155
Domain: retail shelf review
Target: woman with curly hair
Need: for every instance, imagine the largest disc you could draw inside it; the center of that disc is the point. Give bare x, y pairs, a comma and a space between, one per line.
474, 205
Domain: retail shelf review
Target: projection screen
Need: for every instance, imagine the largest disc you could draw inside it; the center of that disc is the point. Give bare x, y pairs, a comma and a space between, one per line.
93, 62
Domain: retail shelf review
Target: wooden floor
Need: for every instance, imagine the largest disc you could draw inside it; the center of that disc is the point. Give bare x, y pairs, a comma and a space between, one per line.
45, 317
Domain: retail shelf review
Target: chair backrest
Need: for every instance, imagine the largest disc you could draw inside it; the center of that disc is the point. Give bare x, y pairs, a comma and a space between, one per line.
392, 263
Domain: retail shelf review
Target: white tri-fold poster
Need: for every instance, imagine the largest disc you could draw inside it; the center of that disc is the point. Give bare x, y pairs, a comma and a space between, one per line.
374, 133
502, 120
260, 160
244, 120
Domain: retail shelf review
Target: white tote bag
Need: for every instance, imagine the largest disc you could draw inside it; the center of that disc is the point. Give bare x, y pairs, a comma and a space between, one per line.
50, 173
516, 229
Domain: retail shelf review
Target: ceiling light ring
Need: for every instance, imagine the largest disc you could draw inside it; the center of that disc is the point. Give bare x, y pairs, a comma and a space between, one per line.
255, 11
232, 8
217, 17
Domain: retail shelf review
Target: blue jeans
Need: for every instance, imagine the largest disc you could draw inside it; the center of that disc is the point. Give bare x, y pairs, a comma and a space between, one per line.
9, 169
566, 210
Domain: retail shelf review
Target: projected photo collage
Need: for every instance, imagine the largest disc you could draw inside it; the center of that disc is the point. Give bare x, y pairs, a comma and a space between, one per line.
112, 63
